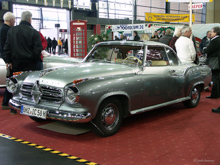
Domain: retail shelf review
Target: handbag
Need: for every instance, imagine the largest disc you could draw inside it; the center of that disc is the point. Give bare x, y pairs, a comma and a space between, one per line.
213, 62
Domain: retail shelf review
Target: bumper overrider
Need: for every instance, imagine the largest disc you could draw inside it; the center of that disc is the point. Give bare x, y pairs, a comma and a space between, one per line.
56, 114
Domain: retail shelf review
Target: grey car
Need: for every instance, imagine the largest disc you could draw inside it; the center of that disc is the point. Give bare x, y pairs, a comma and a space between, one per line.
115, 80
49, 62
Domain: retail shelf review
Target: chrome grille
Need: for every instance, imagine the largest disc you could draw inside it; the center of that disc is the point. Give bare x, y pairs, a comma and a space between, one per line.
48, 93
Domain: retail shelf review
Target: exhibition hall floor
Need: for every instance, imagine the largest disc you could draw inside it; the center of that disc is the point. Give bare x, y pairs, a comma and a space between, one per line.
171, 135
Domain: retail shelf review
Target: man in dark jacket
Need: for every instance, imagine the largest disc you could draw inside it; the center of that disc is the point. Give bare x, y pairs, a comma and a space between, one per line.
213, 50
23, 45
136, 36
167, 37
9, 21
49, 44
205, 41
54, 45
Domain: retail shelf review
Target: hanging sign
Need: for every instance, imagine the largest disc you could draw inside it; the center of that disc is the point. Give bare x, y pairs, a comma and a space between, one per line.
196, 6
128, 27
189, 1
158, 17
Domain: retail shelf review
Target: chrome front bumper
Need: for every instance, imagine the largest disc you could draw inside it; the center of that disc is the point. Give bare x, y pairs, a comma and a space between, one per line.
56, 114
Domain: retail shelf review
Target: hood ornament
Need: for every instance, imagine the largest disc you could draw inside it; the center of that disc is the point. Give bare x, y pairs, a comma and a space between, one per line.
36, 92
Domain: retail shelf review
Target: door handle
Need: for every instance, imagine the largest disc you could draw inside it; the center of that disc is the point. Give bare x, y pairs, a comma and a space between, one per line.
172, 71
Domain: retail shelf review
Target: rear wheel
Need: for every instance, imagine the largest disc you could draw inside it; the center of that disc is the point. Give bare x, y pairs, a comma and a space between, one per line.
195, 97
108, 118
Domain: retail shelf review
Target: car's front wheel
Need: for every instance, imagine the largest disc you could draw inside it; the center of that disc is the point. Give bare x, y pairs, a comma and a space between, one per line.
108, 118
195, 97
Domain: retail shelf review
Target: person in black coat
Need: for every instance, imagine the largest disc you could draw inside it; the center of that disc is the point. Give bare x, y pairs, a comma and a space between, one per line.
23, 46
9, 21
54, 45
49, 44
213, 50
205, 41
136, 36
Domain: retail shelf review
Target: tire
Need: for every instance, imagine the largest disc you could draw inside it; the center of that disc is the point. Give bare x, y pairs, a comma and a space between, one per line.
39, 120
108, 118
195, 97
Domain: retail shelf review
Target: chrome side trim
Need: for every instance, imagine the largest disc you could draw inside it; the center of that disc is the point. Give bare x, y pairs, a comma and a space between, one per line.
159, 105
58, 115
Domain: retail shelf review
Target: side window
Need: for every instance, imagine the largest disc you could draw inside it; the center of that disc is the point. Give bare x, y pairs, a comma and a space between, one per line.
156, 56
173, 60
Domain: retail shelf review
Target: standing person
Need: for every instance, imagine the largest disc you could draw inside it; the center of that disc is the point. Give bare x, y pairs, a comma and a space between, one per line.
185, 47
121, 37
205, 41
116, 38
59, 46
167, 37
155, 35
9, 21
136, 36
49, 44
23, 46
213, 50
176, 35
44, 45
66, 46
54, 45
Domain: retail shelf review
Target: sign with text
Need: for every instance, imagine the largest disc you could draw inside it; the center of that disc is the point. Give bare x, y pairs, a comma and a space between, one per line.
128, 27
158, 17
197, 1
196, 6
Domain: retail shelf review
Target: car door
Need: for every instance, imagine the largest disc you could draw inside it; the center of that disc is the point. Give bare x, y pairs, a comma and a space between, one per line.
162, 76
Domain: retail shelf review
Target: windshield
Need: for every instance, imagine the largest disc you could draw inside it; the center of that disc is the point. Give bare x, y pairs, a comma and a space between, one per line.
120, 54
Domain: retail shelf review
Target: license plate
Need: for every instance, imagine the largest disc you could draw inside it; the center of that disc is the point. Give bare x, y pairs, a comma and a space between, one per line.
36, 112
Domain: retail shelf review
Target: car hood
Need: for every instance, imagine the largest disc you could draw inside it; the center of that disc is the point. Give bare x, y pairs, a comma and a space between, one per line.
60, 77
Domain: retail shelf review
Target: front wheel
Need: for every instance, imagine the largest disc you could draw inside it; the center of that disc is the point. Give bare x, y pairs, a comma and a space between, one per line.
108, 118
195, 97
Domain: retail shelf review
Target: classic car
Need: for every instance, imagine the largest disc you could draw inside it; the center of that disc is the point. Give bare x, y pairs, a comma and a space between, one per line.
49, 62
115, 80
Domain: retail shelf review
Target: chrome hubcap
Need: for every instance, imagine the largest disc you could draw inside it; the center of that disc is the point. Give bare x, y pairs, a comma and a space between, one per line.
195, 95
110, 116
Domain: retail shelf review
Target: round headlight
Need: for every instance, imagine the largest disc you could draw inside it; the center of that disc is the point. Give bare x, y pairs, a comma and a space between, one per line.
72, 95
11, 85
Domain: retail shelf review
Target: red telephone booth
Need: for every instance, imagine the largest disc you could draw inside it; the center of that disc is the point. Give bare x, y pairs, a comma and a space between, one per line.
78, 38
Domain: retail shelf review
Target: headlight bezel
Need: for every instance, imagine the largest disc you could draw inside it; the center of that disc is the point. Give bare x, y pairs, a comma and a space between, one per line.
12, 85
72, 91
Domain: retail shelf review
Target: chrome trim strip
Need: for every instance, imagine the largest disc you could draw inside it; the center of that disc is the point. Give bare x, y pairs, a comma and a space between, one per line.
159, 105
58, 115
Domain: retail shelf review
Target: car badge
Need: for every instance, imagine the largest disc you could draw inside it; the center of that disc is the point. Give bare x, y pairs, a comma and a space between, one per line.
36, 93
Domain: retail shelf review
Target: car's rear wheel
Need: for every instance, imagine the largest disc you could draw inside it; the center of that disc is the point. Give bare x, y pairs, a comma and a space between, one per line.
38, 119
108, 118
195, 97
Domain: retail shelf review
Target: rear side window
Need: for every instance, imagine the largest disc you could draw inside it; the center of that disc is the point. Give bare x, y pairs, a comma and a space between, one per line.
156, 56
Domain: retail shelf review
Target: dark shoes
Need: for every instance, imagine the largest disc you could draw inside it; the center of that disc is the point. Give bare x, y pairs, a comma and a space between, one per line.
13, 112
5, 107
216, 110
210, 97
